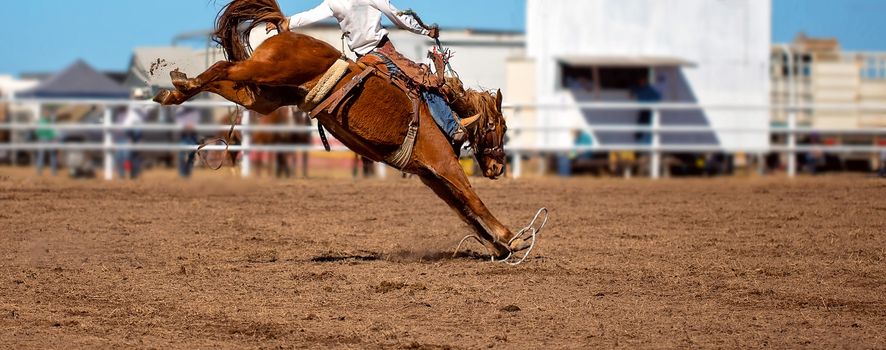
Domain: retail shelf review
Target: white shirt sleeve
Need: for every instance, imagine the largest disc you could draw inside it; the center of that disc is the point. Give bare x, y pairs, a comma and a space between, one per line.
317, 14
403, 21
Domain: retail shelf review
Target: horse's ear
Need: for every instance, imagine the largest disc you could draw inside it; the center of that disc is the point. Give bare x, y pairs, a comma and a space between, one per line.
498, 99
468, 122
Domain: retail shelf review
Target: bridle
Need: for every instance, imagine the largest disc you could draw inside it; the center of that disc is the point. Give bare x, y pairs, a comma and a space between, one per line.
491, 137
496, 151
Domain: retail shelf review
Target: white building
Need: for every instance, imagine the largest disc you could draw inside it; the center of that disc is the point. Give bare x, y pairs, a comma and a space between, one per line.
700, 51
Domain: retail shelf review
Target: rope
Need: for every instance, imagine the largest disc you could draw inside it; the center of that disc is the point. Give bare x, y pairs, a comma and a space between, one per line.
319, 92
445, 52
530, 231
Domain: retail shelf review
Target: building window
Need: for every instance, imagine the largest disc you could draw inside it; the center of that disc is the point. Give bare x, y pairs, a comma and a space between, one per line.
577, 78
622, 78
593, 78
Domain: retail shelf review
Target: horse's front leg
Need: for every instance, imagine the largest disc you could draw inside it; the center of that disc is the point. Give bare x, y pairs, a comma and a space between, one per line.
468, 206
439, 169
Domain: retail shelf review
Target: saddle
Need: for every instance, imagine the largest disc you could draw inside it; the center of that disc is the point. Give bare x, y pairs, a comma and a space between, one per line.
413, 77
319, 100
417, 79
450, 88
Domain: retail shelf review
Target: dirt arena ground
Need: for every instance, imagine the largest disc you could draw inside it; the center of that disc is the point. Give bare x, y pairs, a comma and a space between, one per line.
225, 263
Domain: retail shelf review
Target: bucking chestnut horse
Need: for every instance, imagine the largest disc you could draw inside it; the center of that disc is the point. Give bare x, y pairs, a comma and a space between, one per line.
362, 109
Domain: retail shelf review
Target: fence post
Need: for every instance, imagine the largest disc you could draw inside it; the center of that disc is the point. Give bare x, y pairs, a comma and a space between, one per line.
381, 170
13, 136
517, 172
517, 158
246, 163
655, 163
108, 139
792, 112
38, 113
792, 142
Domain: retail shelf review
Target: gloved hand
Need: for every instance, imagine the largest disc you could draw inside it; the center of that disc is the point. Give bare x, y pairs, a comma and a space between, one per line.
434, 31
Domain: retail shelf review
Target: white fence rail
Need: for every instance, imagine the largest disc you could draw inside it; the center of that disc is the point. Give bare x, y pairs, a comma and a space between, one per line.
655, 129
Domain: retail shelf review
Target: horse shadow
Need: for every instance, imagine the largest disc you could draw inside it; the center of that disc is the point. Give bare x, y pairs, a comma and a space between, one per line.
402, 256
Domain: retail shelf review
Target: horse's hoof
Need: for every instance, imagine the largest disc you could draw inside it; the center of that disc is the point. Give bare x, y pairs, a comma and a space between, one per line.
168, 97
180, 81
178, 75
162, 97
520, 245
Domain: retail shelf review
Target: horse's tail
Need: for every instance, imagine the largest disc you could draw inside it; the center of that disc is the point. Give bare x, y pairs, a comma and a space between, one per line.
229, 27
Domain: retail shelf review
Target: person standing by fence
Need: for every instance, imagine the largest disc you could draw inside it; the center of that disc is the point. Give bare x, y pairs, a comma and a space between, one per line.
46, 135
644, 92
129, 160
187, 118
882, 172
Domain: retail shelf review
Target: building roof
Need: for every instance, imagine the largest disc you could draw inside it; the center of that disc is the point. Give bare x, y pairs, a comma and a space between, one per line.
806, 43
625, 61
79, 80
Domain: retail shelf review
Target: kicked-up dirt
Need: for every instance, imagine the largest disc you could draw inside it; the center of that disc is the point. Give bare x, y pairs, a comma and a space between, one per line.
214, 263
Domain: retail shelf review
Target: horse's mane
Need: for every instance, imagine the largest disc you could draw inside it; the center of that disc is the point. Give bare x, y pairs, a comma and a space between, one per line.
484, 104
229, 31
472, 102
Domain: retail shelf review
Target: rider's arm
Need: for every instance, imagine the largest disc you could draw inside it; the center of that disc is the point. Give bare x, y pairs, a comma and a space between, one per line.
401, 20
311, 16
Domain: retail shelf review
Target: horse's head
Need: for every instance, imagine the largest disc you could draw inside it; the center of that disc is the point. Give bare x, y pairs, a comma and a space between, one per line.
487, 129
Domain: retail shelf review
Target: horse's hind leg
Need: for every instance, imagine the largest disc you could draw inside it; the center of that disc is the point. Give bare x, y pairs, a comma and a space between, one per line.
253, 71
171, 97
197, 84
227, 89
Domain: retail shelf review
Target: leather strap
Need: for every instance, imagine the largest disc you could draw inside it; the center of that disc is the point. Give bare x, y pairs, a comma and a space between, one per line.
323, 136
331, 103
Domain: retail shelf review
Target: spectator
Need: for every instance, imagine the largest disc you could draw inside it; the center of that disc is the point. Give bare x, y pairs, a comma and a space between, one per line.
565, 162
580, 84
366, 164
129, 160
645, 93
882, 172
46, 135
187, 119
813, 159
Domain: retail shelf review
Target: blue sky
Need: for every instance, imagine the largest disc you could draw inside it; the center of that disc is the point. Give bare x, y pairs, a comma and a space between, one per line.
47, 35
